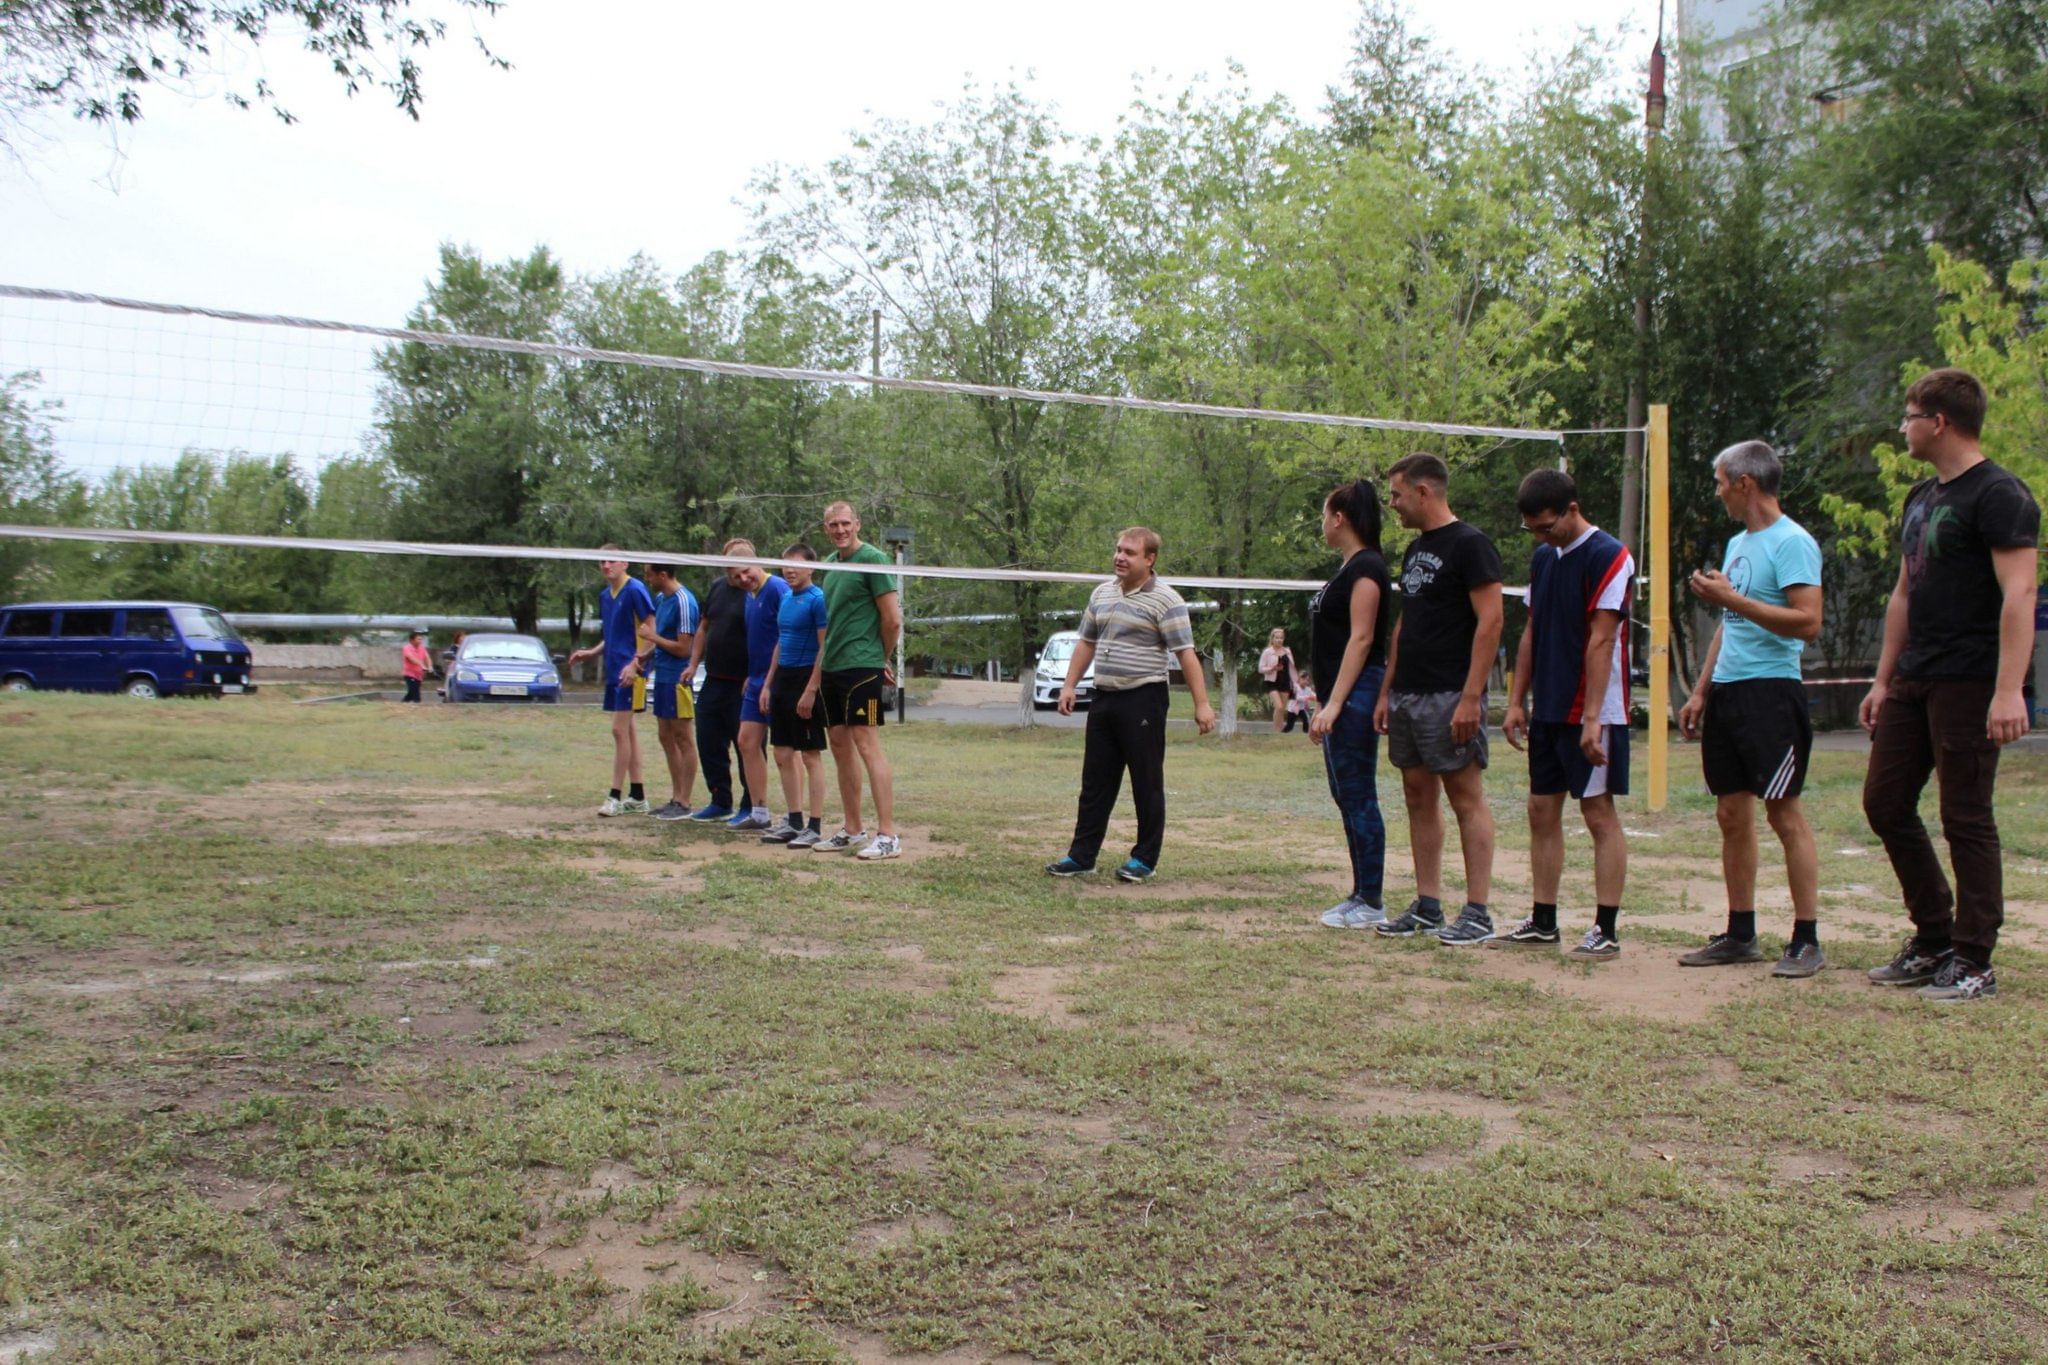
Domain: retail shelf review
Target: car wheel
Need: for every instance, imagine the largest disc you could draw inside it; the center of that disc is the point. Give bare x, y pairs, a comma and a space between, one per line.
16, 683
142, 689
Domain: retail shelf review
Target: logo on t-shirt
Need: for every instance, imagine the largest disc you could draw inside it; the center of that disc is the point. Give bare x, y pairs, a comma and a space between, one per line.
1420, 572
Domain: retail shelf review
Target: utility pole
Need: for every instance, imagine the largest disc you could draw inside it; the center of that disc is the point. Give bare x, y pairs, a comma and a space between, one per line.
1638, 409
874, 347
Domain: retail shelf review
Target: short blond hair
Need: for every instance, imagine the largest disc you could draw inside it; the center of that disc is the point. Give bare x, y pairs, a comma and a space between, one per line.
1147, 538
726, 549
841, 506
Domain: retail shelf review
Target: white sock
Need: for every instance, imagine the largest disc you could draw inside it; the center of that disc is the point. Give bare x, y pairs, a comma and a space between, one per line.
760, 812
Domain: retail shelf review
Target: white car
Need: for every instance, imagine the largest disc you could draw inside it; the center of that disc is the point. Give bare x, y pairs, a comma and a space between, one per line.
1051, 673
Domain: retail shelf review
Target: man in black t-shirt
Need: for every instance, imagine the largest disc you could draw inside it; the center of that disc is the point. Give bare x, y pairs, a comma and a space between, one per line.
722, 648
1433, 709
1950, 689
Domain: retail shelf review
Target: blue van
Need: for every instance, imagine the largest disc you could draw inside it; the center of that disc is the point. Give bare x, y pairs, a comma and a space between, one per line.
145, 649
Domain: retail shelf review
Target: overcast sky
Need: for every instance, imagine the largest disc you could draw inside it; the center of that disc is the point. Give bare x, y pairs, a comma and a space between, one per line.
624, 125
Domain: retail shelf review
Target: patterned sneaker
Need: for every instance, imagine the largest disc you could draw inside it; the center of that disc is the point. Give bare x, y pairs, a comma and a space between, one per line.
1720, 951
1914, 966
674, 810
1800, 960
884, 846
781, 833
1067, 867
1133, 871
1471, 928
1333, 918
1958, 981
1410, 922
1527, 934
632, 805
1356, 914
1595, 947
712, 814
806, 839
840, 842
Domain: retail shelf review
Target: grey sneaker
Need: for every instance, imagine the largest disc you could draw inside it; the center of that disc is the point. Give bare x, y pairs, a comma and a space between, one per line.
1720, 951
1471, 928
749, 823
1959, 981
1800, 960
1358, 914
781, 833
839, 843
1595, 947
1914, 966
674, 810
806, 839
632, 805
1410, 922
1527, 934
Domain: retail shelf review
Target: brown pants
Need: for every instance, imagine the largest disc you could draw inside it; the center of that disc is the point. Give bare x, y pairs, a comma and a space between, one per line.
1939, 728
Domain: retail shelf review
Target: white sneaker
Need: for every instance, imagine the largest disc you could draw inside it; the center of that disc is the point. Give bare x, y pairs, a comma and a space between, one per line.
1353, 913
632, 805
839, 843
612, 806
884, 846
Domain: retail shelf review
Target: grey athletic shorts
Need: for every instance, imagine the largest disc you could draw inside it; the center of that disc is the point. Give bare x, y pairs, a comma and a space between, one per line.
1419, 733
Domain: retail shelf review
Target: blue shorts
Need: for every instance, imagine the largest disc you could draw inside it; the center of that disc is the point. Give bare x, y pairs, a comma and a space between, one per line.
672, 699
752, 709
631, 697
1558, 766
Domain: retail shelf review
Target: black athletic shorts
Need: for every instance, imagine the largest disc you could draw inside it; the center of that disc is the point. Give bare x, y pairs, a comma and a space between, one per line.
853, 696
1756, 737
787, 729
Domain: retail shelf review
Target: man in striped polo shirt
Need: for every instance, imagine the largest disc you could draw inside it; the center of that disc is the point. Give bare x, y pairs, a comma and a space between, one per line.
1132, 625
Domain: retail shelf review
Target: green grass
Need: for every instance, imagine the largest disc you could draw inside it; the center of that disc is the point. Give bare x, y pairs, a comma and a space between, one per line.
344, 1032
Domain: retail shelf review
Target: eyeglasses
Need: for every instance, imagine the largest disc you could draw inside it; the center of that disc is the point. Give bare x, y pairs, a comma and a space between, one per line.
1912, 416
1545, 529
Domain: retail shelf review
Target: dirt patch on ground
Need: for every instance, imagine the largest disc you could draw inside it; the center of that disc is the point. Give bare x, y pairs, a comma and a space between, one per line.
1645, 981
872, 1348
1499, 1123
912, 1226
1948, 1220
1041, 993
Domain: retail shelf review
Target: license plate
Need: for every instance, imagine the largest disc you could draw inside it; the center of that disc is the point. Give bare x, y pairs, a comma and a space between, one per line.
231, 687
507, 690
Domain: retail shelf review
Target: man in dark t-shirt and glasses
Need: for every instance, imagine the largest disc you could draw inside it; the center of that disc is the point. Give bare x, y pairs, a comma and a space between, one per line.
1950, 687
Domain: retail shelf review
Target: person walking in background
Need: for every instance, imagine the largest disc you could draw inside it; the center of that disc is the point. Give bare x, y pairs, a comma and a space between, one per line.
413, 662
796, 713
1749, 708
1433, 708
765, 593
624, 608
675, 706
721, 648
1574, 659
1347, 634
1133, 626
864, 618
1283, 686
1951, 687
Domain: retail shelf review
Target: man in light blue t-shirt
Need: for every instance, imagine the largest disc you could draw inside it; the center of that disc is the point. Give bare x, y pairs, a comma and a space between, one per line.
1749, 709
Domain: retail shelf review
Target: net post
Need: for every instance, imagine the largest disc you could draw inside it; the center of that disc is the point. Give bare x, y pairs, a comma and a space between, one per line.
1660, 605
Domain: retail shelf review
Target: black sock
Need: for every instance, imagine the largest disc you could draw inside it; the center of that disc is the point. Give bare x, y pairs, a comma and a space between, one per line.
1545, 914
1604, 916
817, 824
796, 819
1480, 906
639, 792
1933, 947
1429, 905
1805, 931
1742, 924
615, 793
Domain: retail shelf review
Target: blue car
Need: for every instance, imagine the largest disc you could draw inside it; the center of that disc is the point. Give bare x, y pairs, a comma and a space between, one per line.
145, 649
497, 667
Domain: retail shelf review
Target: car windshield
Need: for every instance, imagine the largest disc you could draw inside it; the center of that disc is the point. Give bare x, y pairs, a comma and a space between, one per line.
504, 651
203, 623
1058, 651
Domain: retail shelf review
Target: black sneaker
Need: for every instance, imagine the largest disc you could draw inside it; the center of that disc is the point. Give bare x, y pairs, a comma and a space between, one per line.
1526, 934
1412, 921
1959, 980
1800, 960
1720, 951
1914, 966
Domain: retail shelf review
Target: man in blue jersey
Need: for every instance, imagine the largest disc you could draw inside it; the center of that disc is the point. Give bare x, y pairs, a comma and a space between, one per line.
1749, 709
673, 703
1574, 658
796, 711
624, 608
764, 604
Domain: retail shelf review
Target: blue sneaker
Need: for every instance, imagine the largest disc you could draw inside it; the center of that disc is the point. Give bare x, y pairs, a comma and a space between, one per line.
747, 822
712, 813
1133, 871
1067, 867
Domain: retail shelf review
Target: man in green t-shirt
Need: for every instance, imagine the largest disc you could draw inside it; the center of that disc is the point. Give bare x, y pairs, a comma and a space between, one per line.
863, 618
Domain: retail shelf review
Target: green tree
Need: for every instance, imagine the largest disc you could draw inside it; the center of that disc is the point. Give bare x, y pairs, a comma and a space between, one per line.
355, 499
98, 56
234, 494
34, 491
